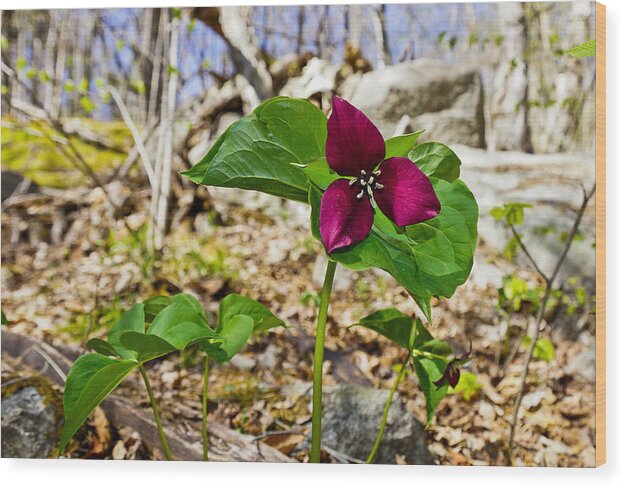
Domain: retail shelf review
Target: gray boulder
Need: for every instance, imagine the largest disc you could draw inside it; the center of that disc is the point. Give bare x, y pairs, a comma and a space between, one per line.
446, 100
351, 420
31, 418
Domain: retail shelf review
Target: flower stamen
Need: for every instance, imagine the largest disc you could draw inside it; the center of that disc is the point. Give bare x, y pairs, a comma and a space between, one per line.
353, 181
361, 194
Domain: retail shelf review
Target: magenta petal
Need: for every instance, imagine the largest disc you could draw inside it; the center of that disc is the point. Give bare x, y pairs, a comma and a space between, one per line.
407, 196
343, 219
354, 143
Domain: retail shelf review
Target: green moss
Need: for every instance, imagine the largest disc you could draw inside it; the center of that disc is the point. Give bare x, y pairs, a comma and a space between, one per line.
28, 150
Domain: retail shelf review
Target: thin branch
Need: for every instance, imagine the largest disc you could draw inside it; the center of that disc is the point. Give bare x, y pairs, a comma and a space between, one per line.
541, 313
527, 253
145, 158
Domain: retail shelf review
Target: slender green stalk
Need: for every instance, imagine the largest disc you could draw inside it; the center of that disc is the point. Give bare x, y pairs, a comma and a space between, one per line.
157, 416
387, 407
204, 411
315, 452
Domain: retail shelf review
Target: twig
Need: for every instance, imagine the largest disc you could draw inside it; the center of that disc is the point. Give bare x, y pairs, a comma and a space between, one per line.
540, 316
527, 253
149, 170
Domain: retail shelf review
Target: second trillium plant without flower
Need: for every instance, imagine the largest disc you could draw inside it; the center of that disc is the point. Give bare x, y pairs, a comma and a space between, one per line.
390, 204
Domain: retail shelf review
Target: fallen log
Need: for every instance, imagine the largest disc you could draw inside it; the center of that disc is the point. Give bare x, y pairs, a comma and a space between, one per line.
225, 445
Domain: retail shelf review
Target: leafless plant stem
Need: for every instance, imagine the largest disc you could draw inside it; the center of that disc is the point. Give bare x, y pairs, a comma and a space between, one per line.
540, 315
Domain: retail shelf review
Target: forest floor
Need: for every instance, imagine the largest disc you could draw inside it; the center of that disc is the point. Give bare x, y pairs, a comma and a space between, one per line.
67, 292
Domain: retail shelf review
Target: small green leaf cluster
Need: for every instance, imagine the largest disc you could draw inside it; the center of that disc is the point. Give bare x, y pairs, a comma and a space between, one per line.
150, 330
513, 213
430, 356
544, 349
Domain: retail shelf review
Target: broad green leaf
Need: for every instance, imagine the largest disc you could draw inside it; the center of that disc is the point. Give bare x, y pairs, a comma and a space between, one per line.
257, 152
437, 347
235, 304
401, 145
429, 259
392, 324
181, 335
436, 160
234, 333
153, 306
91, 379
102, 347
429, 371
184, 308
131, 320
586, 49
146, 347
319, 173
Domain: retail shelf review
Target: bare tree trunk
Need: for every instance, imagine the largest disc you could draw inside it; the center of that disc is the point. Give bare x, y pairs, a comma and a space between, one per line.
233, 24
301, 19
169, 92
48, 63
509, 110
59, 71
378, 20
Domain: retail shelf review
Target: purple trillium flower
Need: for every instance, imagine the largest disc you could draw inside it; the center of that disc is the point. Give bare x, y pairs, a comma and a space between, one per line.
355, 147
451, 374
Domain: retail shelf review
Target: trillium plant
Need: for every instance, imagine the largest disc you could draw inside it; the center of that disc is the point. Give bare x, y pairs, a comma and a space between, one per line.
393, 204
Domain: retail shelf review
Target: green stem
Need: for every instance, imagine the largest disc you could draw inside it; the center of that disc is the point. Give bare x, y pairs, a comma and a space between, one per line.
387, 407
157, 416
204, 411
315, 452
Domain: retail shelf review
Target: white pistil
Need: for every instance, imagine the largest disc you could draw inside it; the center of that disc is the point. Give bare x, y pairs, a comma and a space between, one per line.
377, 173
379, 186
363, 172
371, 179
361, 194
353, 181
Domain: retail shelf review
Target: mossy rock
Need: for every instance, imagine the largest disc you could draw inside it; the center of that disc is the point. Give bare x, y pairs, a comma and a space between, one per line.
32, 417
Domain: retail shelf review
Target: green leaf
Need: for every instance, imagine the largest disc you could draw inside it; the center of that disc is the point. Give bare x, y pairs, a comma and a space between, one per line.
391, 323
131, 320
153, 306
513, 212
181, 335
257, 152
544, 349
91, 379
234, 332
5, 321
184, 308
235, 304
146, 347
468, 386
437, 347
436, 160
586, 49
432, 258
319, 173
102, 347
401, 145
429, 371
